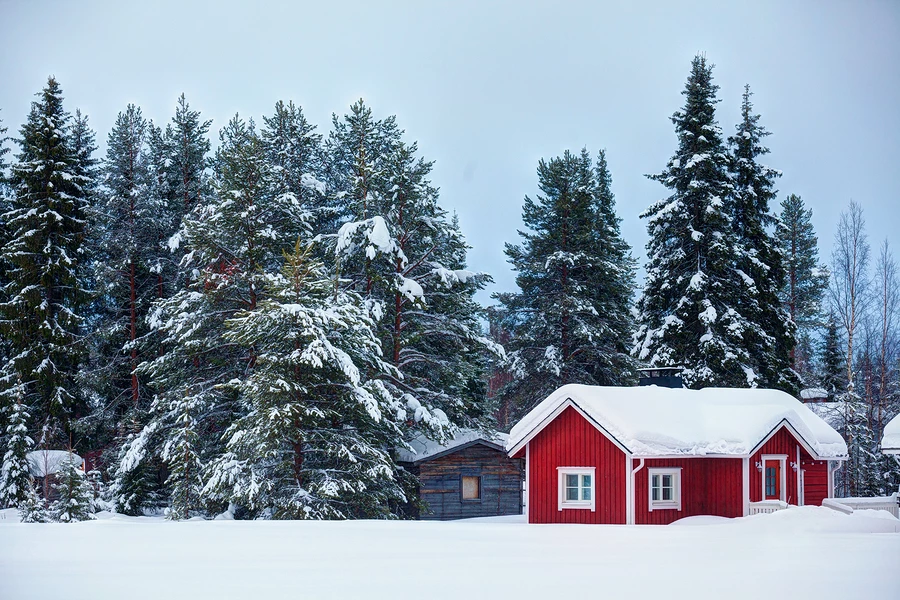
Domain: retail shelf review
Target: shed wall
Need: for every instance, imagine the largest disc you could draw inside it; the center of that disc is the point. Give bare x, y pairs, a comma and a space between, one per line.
501, 484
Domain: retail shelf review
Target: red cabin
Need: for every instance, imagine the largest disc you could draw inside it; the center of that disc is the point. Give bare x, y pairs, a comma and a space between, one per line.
653, 455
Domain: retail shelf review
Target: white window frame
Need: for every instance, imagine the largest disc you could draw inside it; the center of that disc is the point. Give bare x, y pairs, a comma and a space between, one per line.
675, 502
782, 484
561, 486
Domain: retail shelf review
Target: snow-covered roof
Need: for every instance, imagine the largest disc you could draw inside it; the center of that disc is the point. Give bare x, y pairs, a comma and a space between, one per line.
659, 421
813, 393
890, 441
425, 448
47, 462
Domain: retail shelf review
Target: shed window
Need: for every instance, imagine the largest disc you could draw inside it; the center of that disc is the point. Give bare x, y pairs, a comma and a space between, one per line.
471, 487
665, 489
576, 487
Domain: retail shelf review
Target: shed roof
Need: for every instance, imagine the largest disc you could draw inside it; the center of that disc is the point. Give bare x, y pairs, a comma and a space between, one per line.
658, 421
890, 442
426, 449
48, 462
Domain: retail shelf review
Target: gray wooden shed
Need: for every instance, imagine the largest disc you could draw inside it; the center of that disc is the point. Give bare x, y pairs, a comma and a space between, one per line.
468, 476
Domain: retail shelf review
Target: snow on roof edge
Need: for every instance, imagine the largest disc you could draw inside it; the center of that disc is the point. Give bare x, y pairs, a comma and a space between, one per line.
658, 421
424, 448
890, 440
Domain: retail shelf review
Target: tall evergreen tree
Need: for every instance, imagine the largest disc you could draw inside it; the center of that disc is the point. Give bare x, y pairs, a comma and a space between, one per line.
833, 369
806, 279
314, 443
571, 319
40, 311
187, 145
688, 312
232, 243
771, 340
401, 250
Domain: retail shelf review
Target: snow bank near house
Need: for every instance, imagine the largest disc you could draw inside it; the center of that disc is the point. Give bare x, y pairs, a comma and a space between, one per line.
890, 442
152, 558
48, 462
654, 421
425, 448
805, 519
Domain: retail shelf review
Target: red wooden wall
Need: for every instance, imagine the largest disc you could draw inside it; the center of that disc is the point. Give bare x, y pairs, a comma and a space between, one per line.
783, 442
709, 486
815, 480
571, 441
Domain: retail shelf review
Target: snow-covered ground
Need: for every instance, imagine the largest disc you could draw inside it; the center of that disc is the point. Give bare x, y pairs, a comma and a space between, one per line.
799, 553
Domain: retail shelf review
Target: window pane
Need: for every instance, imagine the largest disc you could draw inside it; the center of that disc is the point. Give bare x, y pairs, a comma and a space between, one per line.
586, 481
667, 480
667, 493
586, 493
655, 493
471, 488
572, 493
572, 481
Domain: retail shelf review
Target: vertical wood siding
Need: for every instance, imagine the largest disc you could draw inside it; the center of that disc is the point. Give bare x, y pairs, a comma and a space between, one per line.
815, 480
709, 486
783, 442
571, 441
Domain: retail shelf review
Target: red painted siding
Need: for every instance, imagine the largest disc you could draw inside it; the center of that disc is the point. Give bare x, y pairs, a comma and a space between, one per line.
709, 486
571, 441
783, 442
815, 481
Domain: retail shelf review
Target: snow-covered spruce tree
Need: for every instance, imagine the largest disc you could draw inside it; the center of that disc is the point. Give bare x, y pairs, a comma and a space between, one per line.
314, 442
806, 279
187, 144
771, 339
571, 320
75, 497
231, 243
131, 224
833, 364
15, 480
688, 311
399, 249
5, 207
40, 308
294, 154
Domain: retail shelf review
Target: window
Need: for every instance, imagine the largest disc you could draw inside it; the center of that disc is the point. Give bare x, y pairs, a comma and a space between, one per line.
771, 482
471, 487
665, 489
576, 487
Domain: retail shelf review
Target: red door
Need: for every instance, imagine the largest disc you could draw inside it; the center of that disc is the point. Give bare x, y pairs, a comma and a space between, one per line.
773, 480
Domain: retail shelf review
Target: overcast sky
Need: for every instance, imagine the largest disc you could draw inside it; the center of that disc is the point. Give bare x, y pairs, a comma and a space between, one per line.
488, 88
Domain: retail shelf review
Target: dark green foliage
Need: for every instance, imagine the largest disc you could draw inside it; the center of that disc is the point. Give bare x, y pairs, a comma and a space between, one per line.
571, 320
833, 366
40, 307
689, 312
771, 339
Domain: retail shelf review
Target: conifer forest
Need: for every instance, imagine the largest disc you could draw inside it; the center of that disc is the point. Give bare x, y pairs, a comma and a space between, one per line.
256, 316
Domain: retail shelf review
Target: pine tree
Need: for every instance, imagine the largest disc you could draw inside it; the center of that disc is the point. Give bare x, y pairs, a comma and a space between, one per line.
770, 340
232, 243
15, 480
833, 365
688, 312
571, 320
400, 250
187, 145
46, 225
314, 442
806, 280
74, 494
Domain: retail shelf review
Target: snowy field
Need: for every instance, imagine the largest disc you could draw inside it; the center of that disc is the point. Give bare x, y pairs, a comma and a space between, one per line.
799, 553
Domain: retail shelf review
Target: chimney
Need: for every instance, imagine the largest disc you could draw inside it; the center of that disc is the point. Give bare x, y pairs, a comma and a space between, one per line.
669, 377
